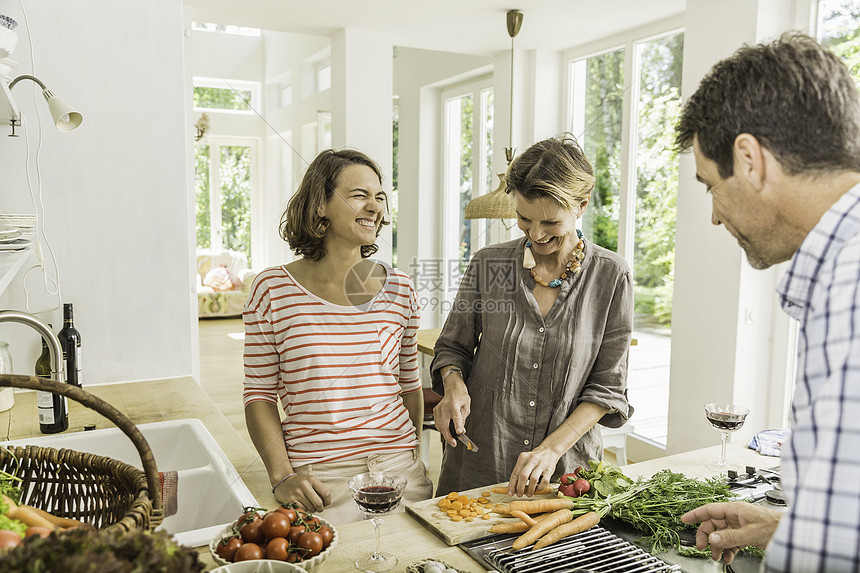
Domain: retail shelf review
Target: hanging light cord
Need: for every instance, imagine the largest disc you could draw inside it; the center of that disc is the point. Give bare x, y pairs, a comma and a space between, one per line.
511, 119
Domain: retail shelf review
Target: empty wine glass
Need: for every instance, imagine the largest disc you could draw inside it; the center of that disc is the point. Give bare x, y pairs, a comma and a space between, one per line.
725, 418
376, 494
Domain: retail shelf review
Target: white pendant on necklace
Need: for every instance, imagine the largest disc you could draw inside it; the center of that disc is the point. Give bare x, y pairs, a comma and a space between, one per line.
528, 258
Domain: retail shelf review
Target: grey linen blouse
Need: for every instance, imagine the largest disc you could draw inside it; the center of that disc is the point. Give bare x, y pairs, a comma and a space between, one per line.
526, 374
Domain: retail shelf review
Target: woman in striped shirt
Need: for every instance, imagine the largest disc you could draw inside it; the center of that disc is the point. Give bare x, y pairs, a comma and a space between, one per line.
332, 338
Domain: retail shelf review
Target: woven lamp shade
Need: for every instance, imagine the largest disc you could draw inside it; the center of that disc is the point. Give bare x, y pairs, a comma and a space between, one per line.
496, 204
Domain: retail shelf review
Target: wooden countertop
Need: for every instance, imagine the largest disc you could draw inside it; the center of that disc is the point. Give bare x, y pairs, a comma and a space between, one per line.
427, 340
172, 399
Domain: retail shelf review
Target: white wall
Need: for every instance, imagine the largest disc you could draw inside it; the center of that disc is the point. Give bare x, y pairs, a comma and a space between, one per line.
419, 76
115, 190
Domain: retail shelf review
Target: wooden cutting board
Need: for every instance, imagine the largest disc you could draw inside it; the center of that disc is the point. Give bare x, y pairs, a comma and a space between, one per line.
428, 514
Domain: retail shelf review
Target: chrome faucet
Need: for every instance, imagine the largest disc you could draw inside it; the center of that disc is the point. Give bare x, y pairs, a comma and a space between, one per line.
54, 348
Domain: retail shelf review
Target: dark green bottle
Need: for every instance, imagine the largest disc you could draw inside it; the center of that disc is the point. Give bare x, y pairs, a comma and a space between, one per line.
53, 408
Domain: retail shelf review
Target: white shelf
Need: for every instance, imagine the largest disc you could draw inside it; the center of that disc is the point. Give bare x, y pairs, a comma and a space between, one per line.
10, 264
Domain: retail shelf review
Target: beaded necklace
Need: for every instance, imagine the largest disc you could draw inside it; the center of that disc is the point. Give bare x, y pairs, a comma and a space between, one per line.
574, 265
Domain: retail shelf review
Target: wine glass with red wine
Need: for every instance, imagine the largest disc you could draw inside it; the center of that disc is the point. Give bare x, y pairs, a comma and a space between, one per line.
725, 418
376, 494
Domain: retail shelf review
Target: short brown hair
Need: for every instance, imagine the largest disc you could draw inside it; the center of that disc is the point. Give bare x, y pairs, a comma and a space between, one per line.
794, 96
556, 168
301, 226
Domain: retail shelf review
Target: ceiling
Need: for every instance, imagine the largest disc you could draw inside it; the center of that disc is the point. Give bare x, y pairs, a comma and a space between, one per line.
461, 26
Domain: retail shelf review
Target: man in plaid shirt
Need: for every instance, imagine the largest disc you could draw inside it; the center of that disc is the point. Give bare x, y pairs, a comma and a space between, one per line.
775, 131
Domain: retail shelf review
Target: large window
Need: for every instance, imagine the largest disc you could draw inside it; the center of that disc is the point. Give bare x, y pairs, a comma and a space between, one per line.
633, 205
468, 173
224, 183
236, 96
839, 30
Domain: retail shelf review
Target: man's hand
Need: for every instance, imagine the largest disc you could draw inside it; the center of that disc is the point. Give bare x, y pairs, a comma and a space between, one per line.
729, 527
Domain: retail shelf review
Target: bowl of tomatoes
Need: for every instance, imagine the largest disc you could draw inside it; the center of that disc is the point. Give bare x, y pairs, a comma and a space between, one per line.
283, 534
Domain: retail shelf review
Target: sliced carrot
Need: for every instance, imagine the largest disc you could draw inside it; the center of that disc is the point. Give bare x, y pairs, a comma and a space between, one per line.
541, 528
542, 505
578, 525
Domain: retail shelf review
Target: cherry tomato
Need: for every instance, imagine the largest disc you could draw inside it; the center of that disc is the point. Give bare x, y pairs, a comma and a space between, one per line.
312, 541
326, 534
9, 538
227, 548
248, 551
36, 530
293, 557
295, 532
276, 525
277, 549
247, 517
290, 513
253, 532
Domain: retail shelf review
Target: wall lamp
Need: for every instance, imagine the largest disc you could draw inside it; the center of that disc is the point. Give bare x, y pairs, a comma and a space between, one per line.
66, 118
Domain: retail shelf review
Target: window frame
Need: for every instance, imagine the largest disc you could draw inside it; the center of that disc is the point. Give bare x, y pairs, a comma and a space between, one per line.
480, 152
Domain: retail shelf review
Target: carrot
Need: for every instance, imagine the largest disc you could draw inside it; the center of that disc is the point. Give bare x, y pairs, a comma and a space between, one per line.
503, 508
516, 526
542, 505
578, 525
504, 490
524, 516
26, 515
540, 529
63, 522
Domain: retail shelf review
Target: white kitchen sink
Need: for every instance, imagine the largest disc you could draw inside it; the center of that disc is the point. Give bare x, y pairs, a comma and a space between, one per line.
211, 491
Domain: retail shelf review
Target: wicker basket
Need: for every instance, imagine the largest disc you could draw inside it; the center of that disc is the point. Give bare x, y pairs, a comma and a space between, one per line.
98, 490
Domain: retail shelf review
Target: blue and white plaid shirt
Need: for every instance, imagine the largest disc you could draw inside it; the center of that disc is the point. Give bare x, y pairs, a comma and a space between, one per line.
821, 461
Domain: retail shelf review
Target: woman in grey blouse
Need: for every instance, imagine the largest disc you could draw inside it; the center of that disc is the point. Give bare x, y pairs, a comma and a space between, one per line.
534, 352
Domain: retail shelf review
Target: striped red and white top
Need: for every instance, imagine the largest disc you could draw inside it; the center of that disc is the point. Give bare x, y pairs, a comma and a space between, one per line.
338, 371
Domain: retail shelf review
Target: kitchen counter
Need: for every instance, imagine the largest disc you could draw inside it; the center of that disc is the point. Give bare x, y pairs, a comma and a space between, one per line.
171, 399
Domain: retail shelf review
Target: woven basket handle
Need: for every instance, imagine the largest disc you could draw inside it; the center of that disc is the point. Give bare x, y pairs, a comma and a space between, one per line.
106, 410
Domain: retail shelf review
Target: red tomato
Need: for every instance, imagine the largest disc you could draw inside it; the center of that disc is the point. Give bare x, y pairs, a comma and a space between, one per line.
247, 517
290, 513
312, 541
277, 549
253, 532
248, 551
295, 532
293, 557
227, 549
36, 530
9, 538
327, 535
276, 525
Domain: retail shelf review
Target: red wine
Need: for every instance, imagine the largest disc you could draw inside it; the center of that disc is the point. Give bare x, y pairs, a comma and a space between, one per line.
70, 341
377, 498
725, 421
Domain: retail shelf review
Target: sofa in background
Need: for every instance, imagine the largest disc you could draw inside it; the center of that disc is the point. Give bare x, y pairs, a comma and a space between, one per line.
215, 302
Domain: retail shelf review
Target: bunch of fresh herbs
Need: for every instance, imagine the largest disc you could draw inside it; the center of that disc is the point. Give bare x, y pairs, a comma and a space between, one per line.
655, 506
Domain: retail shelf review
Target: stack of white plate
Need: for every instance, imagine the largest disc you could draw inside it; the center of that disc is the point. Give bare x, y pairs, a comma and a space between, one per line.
17, 232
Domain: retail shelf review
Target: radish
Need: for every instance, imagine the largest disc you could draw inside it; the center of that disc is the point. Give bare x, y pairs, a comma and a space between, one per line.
581, 487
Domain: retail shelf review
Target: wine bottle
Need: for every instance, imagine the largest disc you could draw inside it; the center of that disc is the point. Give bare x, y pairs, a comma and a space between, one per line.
70, 341
53, 408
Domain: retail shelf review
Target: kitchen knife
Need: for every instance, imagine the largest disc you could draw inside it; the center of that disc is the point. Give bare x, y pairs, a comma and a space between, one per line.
464, 439
470, 445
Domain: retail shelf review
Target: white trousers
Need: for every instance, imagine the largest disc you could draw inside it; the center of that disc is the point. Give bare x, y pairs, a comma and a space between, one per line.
336, 475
